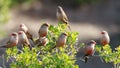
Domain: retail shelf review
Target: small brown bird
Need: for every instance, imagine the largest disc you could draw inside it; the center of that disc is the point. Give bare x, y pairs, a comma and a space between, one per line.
13, 41
61, 40
23, 40
62, 17
24, 28
43, 30
105, 39
89, 50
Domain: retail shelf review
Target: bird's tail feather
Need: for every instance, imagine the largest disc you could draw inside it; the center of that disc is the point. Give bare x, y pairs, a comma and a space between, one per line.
69, 27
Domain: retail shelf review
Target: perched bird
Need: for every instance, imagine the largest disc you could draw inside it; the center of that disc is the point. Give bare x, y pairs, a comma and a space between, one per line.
62, 17
13, 41
24, 28
23, 40
105, 39
89, 50
61, 41
43, 30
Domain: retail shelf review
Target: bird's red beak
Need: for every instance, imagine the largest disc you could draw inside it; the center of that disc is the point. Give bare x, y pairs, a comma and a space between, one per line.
94, 42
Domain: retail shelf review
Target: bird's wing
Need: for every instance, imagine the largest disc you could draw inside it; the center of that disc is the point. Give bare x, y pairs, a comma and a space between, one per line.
29, 35
8, 42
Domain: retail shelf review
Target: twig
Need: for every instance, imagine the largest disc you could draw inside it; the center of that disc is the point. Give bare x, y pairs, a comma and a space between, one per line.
117, 65
114, 65
3, 61
11, 59
81, 59
38, 53
101, 60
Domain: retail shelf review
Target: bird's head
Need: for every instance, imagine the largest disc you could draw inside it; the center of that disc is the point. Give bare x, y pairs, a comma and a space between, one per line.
92, 42
59, 9
46, 24
103, 32
20, 32
23, 27
14, 37
65, 34
13, 34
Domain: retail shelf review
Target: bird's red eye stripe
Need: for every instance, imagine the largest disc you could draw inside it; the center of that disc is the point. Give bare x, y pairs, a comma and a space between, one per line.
102, 32
46, 24
13, 34
94, 42
65, 34
19, 33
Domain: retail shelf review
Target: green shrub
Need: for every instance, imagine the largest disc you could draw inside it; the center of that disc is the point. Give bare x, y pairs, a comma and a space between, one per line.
109, 55
57, 58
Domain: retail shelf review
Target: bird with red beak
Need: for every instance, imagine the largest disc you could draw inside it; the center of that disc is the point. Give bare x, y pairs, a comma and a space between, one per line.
105, 39
89, 50
23, 40
43, 31
24, 28
13, 41
61, 41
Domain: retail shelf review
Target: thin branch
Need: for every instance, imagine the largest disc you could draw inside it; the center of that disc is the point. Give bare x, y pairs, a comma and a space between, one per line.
81, 59
3, 61
101, 60
11, 59
114, 65
117, 65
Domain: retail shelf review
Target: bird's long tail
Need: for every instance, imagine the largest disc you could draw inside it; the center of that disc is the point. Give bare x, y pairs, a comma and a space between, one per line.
29, 35
85, 57
2, 46
69, 27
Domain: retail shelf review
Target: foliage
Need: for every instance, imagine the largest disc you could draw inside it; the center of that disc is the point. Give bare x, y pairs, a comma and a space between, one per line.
42, 57
108, 55
65, 57
4, 8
